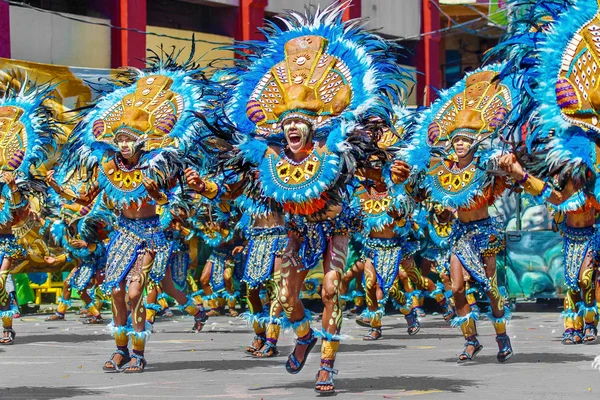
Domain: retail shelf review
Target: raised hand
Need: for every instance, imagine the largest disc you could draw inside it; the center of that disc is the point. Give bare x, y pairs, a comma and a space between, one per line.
509, 163
78, 244
237, 250
10, 180
193, 180
152, 188
50, 181
400, 171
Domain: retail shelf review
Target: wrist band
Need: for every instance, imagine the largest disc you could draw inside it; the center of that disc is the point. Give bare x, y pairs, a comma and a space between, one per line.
522, 181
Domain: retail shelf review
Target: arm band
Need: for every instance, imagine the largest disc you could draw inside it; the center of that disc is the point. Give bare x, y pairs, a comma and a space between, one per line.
164, 199
534, 186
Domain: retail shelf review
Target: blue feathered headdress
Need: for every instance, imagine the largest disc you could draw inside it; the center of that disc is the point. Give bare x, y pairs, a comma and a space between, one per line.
476, 107
157, 107
27, 125
569, 71
522, 52
318, 68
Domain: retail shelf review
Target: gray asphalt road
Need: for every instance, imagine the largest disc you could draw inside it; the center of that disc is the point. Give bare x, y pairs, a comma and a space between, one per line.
56, 360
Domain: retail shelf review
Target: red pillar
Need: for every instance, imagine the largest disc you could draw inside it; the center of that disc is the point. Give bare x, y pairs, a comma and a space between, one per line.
429, 54
354, 11
128, 48
252, 15
4, 30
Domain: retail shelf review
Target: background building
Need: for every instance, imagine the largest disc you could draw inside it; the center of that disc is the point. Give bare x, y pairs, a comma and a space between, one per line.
441, 36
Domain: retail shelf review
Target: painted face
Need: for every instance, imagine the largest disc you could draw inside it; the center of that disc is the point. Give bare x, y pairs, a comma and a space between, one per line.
298, 135
461, 146
126, 145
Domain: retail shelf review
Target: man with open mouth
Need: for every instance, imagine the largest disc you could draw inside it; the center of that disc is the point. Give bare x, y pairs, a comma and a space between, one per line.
296, 115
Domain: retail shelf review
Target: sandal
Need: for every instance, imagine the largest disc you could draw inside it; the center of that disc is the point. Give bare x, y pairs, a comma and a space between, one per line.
413, 323
578, 337
214, 312
138, 367
292, 360
10, 339
112, 366
363, 321
505, 347
199, 321
56, 317
328, 382
233, 313
251, 349
268, 350
569, 338
167, 313
374, 334
465, 357
94, 321
448, 312
591, 333
355, 310
420, 312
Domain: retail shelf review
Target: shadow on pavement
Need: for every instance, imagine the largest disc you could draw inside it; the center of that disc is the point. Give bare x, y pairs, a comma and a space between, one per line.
216, 365
358, 348
528, 358
62, 337
420, 336
360, 385
47, 393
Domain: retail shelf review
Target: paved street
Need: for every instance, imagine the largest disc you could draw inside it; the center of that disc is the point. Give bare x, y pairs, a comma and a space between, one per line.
53, 360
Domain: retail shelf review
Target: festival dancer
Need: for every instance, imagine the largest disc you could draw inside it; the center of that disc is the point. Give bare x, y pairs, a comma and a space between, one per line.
562, 101
267, 238
383, 254
173, 220
385, 230
156, 303
29, 133
80, 231
456, 126
213, 220
135, 140
12, 203
436, 250
305, 89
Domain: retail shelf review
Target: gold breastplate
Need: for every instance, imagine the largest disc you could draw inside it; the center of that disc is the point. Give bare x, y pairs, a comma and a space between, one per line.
119, 177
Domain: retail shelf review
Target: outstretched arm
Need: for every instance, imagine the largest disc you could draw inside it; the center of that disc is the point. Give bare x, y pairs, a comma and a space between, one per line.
85, 199
10, 180
400, 171
210, 189
533, 185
